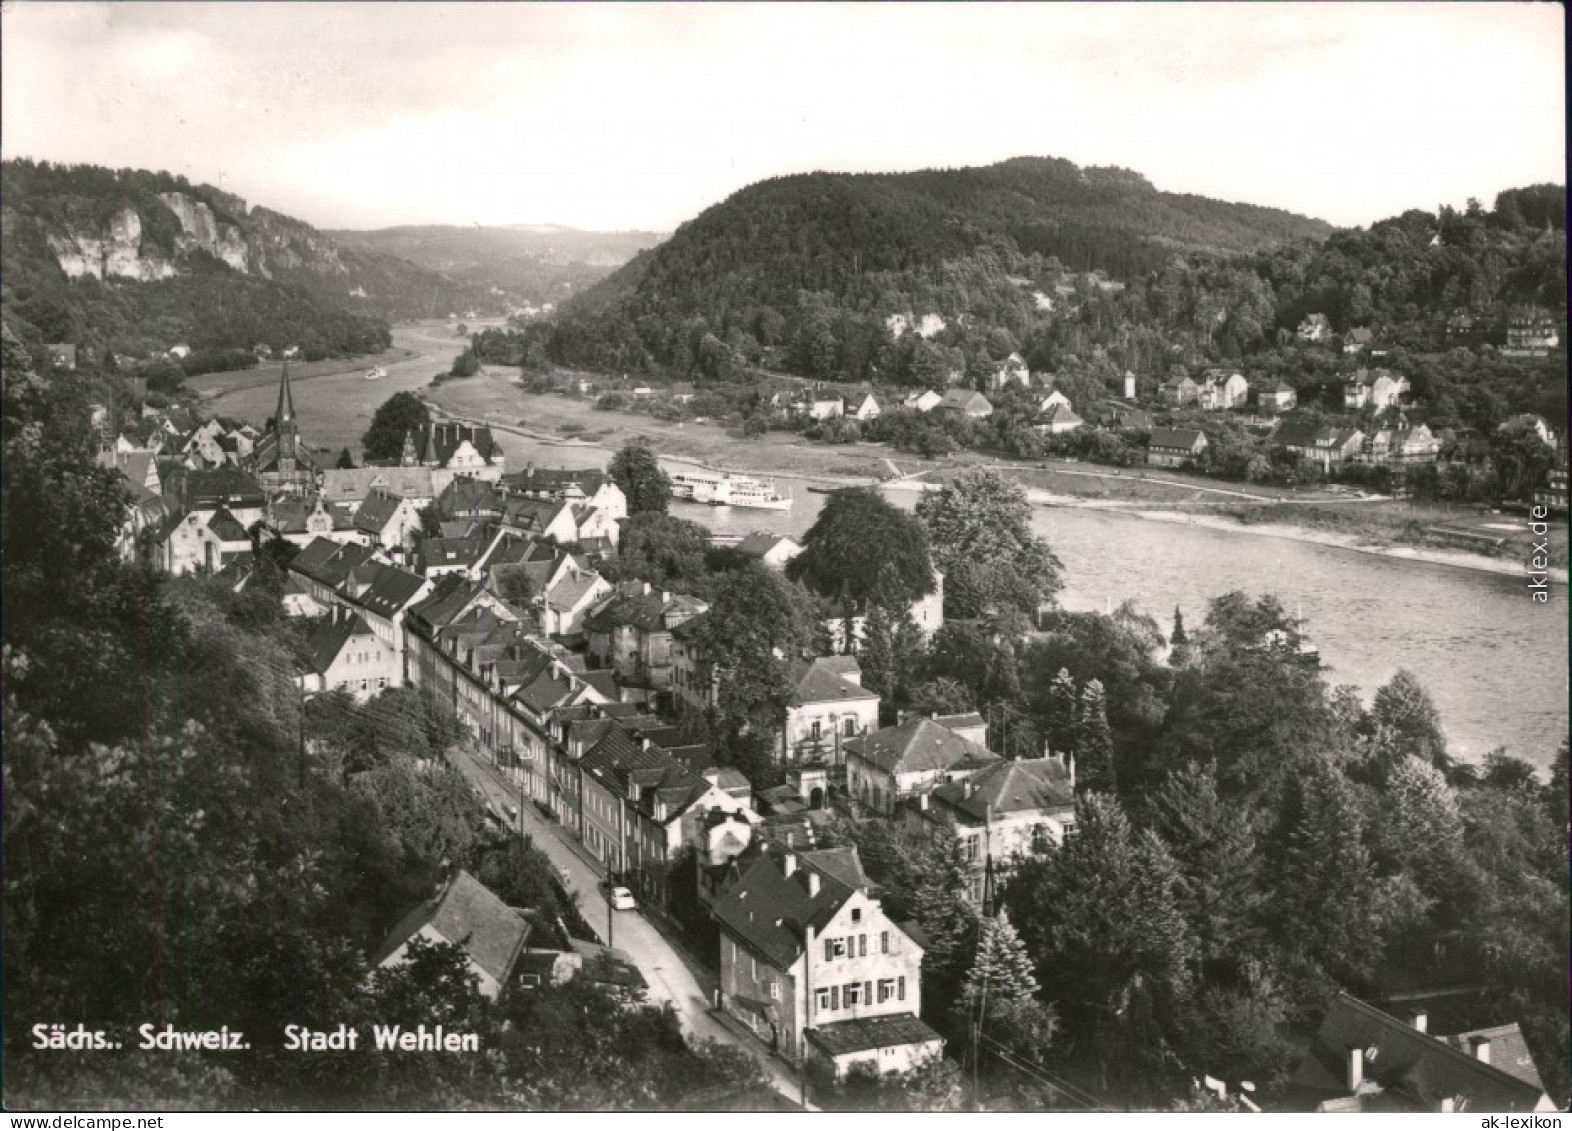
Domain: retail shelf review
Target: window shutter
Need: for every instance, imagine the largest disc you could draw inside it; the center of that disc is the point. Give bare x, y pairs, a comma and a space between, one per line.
862, 946
829, 950
900, 988
884, 942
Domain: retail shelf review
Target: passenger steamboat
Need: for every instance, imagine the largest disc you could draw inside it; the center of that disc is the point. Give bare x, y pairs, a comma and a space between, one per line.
722, 489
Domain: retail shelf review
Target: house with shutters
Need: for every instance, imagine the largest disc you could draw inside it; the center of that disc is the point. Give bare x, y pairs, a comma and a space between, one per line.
1004, 813
817, 969
898, 762
828, 706
1174, 447
468, 915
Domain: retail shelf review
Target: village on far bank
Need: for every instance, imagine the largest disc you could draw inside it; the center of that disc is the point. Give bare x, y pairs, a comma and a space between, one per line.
589, 693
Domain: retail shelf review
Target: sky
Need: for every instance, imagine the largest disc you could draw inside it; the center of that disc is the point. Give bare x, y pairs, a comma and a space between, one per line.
610, 116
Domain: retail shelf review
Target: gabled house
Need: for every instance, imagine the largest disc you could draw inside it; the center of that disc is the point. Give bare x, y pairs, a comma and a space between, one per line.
823, 408
470, 499
1174, 447
965, 402
443, 557
1059, 419
589, 487
1011, 371
301, 519
1524, 421
817, 969
925, 401
1006, 812
1278, 398
203, 541
1401, 445
1358, 340
140, 467
1364, 1060
1179, 390
347, 487
1378, 387
468, 915
1322, 443
864, 407
1315, 328
229, 489
828, 705
452, 450
774, 550
1053, 398
387, 520
344, 654
1222, 389
630, 633
902, 761
324, 565
567, 601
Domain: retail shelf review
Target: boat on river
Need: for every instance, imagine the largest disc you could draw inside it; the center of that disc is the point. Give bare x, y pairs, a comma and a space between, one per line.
376, 373
723, 489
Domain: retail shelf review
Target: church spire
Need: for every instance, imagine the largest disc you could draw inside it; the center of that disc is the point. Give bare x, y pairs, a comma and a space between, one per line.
286, 401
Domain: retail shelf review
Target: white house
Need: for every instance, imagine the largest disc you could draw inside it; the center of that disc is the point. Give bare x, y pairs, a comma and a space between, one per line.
344, 654
828, 705
925, 401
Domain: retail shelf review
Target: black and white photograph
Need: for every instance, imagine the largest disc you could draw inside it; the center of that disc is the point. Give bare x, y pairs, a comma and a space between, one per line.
722, 558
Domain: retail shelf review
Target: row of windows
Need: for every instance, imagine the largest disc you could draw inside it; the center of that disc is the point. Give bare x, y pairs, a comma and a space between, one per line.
854, 946
848, 727
853, 994
365, 684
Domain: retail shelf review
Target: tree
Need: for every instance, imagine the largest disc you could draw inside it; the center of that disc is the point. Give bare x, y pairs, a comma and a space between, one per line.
1215, 846
889, 654
863, 551
637, 472
1002, 970
941, 696
1420, 832
979, 525
1062, 705
514, 586
667, 551
431, 520
1094, 768
1405, 709
465, 364
399, 414
345, 460
756, 613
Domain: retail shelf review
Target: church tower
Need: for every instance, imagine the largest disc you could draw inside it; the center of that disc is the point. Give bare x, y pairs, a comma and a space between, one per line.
284, 424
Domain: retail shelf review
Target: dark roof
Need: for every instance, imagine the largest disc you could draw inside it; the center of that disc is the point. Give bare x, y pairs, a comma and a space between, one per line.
227, 527
436, 443
222, 485
328, 562
554, 480
839, 1038
469, 495
1508, 1051
824, 681
964, 400
1183, 438
620, 763
377, 511
445, 602
390, 591
450, 552
916, 745
768, 909
330, 636
604, 682
1409, 1071
842, 862
1012, 786
467, 914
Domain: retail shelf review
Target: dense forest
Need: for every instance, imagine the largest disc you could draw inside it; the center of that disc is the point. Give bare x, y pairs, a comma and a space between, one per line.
241, 276
930, 278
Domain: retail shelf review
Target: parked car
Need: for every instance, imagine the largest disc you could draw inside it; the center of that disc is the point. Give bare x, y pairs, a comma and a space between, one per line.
622, 899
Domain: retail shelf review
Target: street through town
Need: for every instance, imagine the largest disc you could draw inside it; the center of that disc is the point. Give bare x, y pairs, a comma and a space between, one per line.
672, 978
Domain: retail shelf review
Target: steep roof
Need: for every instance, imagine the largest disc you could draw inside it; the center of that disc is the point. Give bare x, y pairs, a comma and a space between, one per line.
965, 400
1508, 1051
390, 591
329, 562
1013, 786
757, 544
468, 915
1410, 1070
552, 480
227, 527
768, 909
222, 485
915, 746
823, 681
377, 511
464, 494
330, 637
449, 552
352, 484
1061, 414
436, 443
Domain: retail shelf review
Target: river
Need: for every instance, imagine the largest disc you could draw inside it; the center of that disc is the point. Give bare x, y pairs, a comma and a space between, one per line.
1494, 661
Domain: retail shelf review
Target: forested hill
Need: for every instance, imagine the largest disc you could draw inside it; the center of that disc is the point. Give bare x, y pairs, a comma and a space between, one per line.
133, 262
524, 265
927, 278
889, 239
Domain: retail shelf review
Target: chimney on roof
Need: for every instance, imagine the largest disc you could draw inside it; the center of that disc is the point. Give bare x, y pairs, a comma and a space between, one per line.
1481, 1049
789, 863
1356, 1069
1420, 1020
813, 883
